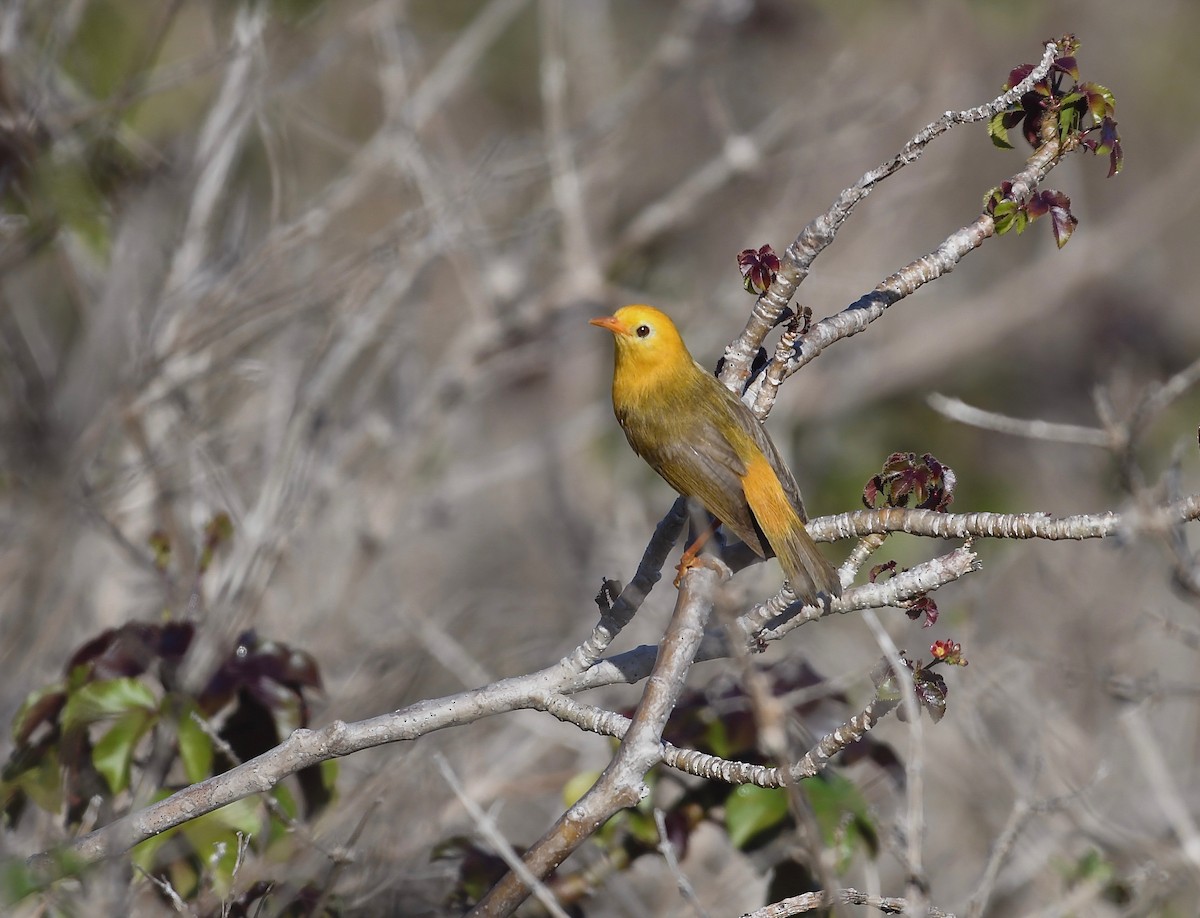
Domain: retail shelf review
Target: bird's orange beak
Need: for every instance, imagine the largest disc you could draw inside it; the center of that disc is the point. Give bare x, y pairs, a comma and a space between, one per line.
611, 323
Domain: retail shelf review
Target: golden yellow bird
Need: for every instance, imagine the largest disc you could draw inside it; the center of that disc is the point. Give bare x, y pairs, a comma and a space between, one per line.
708, 445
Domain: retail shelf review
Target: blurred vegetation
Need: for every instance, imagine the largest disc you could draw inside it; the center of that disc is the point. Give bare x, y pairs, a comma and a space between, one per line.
305, 264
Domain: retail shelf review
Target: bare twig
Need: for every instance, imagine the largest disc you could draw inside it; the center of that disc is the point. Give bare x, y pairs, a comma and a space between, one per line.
1021, 811
941, 261
667, 850
1035, 429
1163, 784
914, 761
1004, 525
819, 233
621, 784
811, 902
165, 888
490, 832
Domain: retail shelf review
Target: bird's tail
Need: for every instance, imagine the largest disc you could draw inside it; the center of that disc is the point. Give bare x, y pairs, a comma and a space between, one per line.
812, 577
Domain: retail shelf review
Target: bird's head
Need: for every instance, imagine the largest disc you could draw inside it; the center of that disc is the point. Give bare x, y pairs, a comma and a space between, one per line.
645, 337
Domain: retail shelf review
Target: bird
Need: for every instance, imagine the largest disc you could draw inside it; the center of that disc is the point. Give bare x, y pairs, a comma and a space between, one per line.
703, 440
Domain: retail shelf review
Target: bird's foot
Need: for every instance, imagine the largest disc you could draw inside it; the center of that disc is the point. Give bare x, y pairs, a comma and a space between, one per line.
686, 563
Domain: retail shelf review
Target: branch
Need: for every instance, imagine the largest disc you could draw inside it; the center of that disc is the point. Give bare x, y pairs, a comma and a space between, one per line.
622, 783
582, 669
1004, 525
942, 260
798, 258
729, 771
814, 901
1035, 429
490, 832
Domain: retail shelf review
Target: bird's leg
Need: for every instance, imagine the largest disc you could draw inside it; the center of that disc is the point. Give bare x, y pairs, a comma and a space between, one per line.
692, 552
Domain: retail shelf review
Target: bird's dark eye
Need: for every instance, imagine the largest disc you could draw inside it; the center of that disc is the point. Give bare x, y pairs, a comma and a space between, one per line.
642, 331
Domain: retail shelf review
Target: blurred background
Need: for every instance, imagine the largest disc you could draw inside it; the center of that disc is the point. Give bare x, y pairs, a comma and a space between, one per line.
326, 267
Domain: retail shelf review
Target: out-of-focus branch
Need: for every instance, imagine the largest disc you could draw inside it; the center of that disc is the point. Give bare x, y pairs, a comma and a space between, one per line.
580, 265
463, 57
487, 829
1035, 429
739, 154
219, 140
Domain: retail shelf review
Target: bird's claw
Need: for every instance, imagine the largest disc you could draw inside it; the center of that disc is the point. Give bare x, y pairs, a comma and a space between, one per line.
686, 563
712, 563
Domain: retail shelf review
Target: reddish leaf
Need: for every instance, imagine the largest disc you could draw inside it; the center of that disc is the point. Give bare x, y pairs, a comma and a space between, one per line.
758, 268
888, 567
1067, 65
923, 607
1017, 74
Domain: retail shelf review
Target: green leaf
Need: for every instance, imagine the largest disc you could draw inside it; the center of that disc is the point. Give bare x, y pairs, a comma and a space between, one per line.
1068, 124
999, 132
195, 748
286, 800
16, 882
1092, 867
36, 708
113, 753
214, 838
717, 736
107, 698
577, 786
41, 783
751, 810
76, 201
279, 830
1005, 215
843, 817
1101, 102
641, 826
329, 775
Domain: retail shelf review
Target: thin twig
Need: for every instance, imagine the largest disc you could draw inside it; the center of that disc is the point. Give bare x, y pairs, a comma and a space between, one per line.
1163, 784
1021, 811
622, 783
820, 232
1035, 429
667, 850
914, 762
491, 834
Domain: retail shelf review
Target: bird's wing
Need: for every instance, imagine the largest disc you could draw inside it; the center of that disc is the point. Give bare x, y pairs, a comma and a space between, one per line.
750, 424
708, 468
